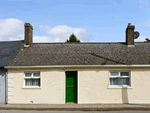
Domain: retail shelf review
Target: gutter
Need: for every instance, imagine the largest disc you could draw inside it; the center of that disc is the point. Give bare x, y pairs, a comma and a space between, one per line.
67, 66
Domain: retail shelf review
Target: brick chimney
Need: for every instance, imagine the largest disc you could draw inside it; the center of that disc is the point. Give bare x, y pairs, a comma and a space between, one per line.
130, 34
28, 39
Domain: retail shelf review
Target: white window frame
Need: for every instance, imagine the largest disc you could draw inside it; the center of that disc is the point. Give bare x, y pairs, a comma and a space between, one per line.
119, 76
32, 77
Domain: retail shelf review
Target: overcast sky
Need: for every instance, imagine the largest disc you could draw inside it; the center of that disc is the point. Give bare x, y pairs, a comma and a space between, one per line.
89, 20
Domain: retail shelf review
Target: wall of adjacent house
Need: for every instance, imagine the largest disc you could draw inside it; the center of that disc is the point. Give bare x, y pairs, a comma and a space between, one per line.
93, 87
2, 85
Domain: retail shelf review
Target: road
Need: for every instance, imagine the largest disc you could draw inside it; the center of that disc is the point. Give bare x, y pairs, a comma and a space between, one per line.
19, 111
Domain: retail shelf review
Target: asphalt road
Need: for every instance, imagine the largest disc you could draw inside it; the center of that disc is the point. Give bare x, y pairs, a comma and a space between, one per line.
19, 111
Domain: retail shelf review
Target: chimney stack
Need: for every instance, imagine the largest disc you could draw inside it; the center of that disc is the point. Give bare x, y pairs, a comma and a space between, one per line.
130, 34
28, 34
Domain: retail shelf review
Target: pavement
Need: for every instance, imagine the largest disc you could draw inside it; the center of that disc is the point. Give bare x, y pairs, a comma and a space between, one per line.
34, 111
75, 107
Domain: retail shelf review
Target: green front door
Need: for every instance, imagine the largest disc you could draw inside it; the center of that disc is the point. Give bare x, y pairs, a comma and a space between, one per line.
71, 86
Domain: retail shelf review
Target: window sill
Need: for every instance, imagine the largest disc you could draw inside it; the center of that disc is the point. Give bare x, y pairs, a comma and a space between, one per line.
119, 87
31, 87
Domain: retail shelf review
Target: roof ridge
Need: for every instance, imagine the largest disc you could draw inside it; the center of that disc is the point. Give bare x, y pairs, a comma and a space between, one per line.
12, 41
84, 43
88, 43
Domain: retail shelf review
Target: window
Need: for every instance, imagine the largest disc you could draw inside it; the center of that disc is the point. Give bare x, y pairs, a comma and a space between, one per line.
119, 78
32, 79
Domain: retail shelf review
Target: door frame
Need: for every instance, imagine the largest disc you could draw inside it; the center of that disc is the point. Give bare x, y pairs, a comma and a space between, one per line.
66, 81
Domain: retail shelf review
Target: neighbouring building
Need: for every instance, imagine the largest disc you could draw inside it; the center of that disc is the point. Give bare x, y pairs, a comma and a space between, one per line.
8, 50
58, 73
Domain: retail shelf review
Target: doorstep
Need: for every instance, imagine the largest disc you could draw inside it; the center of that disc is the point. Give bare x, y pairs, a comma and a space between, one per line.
71, 103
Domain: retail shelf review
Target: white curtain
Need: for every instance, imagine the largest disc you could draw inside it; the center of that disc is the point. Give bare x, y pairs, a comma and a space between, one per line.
32, 82
119, 81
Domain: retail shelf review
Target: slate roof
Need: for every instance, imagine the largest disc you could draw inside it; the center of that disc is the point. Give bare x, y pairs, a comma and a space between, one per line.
8, 50
83, 54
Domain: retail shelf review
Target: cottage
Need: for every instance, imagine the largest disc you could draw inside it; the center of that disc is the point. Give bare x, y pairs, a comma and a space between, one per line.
58, 73
8, 50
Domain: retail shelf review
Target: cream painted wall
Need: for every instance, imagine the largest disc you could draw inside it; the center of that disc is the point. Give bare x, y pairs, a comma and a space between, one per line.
92, 87
52, 90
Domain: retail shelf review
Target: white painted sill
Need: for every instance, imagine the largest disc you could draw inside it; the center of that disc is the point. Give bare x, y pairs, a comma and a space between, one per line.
119, 87
31, 87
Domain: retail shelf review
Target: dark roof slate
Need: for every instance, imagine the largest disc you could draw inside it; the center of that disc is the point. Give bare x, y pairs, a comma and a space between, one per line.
83, 54
8, 50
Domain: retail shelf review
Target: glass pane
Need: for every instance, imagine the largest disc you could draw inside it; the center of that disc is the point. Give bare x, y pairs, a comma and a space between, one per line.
114, 74
124, 73
113, 81
36, 74
36, 82
28, 82
32, 82
119, 81
28, 74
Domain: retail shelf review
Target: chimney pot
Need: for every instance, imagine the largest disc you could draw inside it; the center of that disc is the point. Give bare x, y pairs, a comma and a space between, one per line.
129, 24
130, 34
28, 34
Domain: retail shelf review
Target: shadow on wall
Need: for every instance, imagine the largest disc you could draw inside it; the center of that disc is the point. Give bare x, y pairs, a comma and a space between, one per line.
2, 73
125, 96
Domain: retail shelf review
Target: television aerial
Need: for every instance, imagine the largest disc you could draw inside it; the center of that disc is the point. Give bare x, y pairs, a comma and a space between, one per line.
136, 34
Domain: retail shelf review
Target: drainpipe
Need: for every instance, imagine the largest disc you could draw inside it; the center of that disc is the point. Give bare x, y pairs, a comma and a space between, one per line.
6, 87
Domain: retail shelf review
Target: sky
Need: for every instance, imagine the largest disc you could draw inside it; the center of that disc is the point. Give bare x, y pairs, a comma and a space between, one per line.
89, 20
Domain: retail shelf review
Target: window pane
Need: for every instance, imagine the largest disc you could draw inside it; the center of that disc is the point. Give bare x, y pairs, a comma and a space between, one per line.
28, 74
32, 82
124, 73
36, 74
114, 74
28, 82
35, 82
113, 81
119, 81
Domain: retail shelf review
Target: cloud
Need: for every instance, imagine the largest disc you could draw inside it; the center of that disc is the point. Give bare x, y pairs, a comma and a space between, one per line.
45, 39
141, 39
13, 29
10, 28
144, 5
42, 27
18, 37
62, 32
41, 39
147, 22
